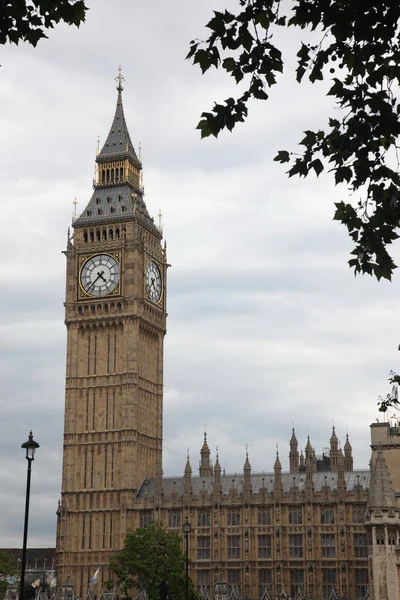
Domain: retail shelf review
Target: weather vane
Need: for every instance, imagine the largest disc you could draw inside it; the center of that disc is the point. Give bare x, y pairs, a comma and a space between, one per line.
119, 79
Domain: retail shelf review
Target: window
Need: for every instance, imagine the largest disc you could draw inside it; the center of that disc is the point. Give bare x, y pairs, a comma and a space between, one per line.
328, 545
358, 515
295, 516
328, 582
145, 519
360, 545
296, 546
85, 237
264, 581
203, 547
88, 213
233, 518
296, 581
99, 211
123, 208
233, 580
327, 515
97, 200
264, 516
174, 519
112, 210
361, 583
203, 581
264, 546
203, 518
233, 546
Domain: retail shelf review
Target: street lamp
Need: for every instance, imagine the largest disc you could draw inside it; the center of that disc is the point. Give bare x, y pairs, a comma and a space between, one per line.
30, 447
186, 530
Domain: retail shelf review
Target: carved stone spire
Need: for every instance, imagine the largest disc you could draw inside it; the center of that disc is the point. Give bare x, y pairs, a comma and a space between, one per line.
187, 477
294, 454
278, 488
381, 493
341, 482
217, 476
247, 474
334, 450
205, 468
348, 455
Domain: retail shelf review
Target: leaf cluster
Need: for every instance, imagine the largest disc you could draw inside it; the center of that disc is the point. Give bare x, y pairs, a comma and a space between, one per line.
8, 566
27, 20
359, 50
391, 400
151, 557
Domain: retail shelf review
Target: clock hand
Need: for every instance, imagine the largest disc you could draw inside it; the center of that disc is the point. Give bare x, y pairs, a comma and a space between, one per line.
152, 282
99, 275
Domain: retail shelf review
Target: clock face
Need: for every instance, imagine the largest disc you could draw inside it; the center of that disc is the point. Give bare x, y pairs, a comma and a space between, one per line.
100, 275
153, 281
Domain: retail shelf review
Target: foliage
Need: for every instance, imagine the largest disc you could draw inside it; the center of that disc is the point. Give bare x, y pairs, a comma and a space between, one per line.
390, 400
8, 566
27, 20
359, 50
151, 556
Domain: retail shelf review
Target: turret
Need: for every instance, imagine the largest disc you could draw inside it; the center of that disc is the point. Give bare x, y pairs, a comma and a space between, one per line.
247, 475
217, 476
294, 454
334, 450
341, 482
187, 477
348, 455
205, 468
382, 521
278, 488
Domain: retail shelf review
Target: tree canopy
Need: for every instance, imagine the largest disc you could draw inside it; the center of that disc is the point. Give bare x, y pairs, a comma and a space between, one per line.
151, 557
8, 567
27, 20
358, 49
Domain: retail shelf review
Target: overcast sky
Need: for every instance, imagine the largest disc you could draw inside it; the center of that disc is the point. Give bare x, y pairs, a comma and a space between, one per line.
267, 325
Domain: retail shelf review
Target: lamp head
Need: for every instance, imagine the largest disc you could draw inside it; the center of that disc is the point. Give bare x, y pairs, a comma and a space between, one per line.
186, 527
30, 447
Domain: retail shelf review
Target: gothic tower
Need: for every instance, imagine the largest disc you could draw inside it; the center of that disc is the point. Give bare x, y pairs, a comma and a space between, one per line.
115, 314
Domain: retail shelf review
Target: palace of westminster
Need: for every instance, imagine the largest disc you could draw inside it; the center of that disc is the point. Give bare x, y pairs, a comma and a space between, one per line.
323, 527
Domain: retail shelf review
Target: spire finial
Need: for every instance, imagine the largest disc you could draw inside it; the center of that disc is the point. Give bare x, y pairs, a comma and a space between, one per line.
98, 146
75, 202
119, 79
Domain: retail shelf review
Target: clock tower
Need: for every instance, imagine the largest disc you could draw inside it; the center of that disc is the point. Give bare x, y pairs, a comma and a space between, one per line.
115, 314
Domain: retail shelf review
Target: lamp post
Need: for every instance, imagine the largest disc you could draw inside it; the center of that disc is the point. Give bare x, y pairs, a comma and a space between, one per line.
186, 530
30, 447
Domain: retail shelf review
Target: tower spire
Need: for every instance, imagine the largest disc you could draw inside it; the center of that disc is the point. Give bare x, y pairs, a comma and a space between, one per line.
119, 79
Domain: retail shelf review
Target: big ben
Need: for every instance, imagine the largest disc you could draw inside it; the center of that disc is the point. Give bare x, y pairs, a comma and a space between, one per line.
115, 315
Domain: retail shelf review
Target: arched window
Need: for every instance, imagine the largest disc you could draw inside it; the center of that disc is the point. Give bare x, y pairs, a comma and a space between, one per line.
88, 213
121, 173
112, 175
80, 310
117, 233
111, 233
103, 177
119, 198
85, 236
108, 176
112, 210
119, 307
123, 231
108, 199
123, 208
104, 234
97, 200
98, 235
91, 235
99, 211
